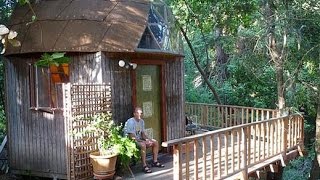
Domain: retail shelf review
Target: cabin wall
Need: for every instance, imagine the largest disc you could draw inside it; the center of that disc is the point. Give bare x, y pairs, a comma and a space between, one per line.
98, 68
174, 95
36, 138
37, 142
86, 68
121, 85
121, 88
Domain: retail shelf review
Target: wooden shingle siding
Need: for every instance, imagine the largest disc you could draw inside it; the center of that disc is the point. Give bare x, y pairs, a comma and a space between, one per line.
98, 68
175, 99
86, 68
121, 91
37, 143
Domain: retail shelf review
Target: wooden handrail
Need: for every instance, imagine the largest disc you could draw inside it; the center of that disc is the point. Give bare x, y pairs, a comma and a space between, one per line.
223, 116
220, 105
226, 152
197, 136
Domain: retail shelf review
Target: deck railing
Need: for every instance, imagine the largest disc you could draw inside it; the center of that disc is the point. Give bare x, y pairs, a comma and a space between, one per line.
223, 116
235, 150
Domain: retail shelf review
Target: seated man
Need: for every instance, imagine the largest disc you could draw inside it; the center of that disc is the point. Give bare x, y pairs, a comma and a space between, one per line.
134, 128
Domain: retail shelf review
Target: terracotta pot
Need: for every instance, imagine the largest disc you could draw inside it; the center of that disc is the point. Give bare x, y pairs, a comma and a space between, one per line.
59, 73
103, 166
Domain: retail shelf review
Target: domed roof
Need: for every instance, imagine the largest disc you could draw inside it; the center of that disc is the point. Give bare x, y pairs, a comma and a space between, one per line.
80, 26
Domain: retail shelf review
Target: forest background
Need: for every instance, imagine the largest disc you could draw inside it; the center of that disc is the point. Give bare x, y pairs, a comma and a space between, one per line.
257, 53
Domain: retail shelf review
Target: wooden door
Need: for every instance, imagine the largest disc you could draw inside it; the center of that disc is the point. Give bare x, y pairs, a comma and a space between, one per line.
148, 97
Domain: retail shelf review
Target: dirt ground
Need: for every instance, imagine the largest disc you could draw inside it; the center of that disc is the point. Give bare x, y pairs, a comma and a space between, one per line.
13, 177
5, 177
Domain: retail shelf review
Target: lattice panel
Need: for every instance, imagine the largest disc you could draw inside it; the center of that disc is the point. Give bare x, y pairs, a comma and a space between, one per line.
85, 101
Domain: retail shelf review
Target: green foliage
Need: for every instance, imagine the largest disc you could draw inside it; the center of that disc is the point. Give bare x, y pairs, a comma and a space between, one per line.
2, 123
207, 14
2, 103
251, 78
111, 140
299, 169
23, 2
198, 94
56, 59
6, 7
250, 83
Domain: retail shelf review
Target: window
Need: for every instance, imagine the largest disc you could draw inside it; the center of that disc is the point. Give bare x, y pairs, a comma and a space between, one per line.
46, 86
161, 32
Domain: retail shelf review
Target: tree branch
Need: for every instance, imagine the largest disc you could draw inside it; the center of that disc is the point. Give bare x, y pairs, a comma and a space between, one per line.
198, 66
206, 70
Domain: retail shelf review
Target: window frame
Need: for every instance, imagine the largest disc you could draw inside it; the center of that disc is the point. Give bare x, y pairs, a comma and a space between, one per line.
44, 87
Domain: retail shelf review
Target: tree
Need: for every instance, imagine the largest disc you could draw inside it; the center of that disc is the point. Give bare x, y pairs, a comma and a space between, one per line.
210, 24
277, 50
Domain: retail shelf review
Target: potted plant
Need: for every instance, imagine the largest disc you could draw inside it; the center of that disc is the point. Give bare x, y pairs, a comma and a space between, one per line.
57, 64
54, 59
111, 144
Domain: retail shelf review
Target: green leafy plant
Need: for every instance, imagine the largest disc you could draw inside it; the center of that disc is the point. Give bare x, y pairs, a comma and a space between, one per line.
110, 138
2, 123
56, 59
299, 168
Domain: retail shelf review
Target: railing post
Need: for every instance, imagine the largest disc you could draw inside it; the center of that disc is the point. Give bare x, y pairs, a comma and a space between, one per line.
285, 131
177, 164
301, 136
196, 162
245, 137
204, 117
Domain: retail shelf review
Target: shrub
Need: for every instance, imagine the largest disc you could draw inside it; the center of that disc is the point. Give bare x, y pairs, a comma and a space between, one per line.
2, 123
299, 169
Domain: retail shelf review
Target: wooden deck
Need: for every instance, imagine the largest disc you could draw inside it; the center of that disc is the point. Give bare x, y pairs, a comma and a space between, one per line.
234, 152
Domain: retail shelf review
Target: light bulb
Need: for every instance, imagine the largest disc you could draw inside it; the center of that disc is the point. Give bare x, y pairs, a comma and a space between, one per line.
122, 63
134, 65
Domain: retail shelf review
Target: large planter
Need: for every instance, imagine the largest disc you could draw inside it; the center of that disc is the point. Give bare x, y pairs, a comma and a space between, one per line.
103, 166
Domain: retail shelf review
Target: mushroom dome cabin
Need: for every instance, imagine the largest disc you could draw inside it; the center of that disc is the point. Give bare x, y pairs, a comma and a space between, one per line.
122, 54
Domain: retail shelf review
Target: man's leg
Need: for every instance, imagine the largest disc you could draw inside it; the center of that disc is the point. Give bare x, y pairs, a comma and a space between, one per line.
143, 148
155, 149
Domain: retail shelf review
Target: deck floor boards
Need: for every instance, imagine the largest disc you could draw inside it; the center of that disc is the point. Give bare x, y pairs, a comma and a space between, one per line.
167, 172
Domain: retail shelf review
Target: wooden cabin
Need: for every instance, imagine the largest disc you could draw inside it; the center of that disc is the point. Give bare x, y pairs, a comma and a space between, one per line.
123, 54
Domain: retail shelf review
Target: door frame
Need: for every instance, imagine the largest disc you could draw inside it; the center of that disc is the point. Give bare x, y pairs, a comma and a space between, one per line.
163, 103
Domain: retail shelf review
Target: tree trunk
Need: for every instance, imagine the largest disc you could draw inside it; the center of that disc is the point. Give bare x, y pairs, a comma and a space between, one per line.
275, 54
280, 86
221, 58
